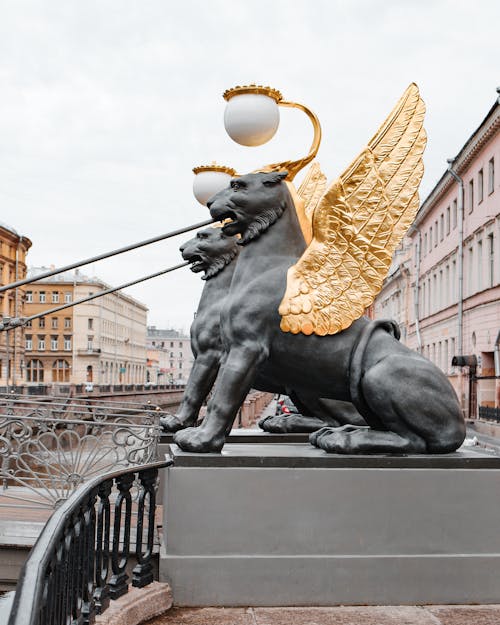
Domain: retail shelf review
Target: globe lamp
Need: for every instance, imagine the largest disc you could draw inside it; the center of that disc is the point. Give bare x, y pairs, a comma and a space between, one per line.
209, 180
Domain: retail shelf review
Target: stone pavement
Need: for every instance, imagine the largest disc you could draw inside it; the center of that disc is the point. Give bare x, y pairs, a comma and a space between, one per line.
352, 615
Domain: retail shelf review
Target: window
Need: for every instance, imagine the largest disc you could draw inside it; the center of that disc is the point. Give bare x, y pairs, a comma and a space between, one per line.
55, 297
29, 323
425, 243
491, 260
34, 371
67, 322
454, 281
53, 343
448, 220
454, 211
67, 298
435, 233
54, 322
180, 365
180, 344
90, 324
480, 186
471, 270
41, 343
171, 354
430, 238
29, 342
441, 227
41, 322
41, 297
479, 265
491, 175
29, 297
67, 343
471, 196
90, 343
171, 344
60, 371
171, 364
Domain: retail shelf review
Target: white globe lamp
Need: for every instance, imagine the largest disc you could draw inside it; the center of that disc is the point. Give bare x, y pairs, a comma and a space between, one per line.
209, 180
252, 115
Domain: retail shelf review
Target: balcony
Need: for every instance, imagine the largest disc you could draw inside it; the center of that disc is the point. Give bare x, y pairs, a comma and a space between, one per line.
93, 351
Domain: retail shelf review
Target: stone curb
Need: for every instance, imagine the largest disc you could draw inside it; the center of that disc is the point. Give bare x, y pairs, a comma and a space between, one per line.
138, 605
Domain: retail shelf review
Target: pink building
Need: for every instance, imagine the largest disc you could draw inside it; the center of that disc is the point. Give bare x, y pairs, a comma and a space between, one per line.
447, 274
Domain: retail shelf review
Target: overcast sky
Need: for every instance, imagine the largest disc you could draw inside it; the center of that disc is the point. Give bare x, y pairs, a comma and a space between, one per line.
106, 105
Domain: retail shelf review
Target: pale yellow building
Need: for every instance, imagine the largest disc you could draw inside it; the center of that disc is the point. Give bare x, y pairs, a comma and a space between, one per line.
102, 341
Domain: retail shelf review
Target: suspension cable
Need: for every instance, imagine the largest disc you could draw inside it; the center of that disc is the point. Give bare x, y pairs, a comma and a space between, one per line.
22, 321
93, 259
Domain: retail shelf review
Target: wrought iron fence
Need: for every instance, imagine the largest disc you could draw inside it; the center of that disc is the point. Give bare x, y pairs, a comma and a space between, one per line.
49, 448
490, 414
79, 562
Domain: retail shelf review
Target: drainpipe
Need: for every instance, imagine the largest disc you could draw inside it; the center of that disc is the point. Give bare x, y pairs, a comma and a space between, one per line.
416, 296
496, 356
460, 207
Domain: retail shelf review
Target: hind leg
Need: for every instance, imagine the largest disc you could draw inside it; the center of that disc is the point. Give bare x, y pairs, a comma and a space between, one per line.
365, 440
415, 404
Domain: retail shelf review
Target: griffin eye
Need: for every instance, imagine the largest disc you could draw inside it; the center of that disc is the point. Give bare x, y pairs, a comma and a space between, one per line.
236, 184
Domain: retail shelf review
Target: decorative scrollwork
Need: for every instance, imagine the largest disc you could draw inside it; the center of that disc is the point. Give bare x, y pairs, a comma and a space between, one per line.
48, 449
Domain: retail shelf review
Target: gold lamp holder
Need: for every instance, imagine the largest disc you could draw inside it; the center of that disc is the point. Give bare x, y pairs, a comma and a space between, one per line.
293, 167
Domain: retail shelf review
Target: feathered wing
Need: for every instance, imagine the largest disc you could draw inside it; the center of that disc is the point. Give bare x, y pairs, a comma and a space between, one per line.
357, 224
312, 189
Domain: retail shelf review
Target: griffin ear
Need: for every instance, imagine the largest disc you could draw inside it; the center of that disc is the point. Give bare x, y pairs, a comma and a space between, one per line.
274, 177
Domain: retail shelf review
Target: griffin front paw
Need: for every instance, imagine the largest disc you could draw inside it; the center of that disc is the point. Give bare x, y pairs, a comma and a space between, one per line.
170, 423
198, 441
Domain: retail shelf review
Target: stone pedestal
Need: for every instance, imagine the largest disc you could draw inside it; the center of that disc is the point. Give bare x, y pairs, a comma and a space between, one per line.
283, 525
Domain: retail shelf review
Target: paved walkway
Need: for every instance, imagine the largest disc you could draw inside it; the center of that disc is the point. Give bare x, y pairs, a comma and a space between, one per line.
392, 615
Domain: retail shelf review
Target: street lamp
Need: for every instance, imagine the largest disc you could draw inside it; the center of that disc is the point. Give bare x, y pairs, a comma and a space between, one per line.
252, 117
210, 179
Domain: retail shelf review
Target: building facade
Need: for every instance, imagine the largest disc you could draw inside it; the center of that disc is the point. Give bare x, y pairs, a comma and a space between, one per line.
173, 353
13, 250
449, 275
102, 341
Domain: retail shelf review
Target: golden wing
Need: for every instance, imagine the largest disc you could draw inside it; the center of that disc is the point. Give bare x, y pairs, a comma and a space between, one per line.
356, 226
312, 189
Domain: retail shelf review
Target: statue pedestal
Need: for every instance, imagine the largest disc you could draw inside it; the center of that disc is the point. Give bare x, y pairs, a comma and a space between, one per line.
284, 525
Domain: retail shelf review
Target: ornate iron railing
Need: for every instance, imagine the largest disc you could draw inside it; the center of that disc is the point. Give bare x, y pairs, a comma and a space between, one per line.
49, 448
79, 561
490, 414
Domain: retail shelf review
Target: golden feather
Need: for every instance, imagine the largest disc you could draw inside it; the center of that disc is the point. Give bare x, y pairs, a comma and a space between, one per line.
356, 226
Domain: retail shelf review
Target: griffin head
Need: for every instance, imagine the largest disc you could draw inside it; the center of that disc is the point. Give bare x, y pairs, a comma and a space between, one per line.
252, 202
209, 251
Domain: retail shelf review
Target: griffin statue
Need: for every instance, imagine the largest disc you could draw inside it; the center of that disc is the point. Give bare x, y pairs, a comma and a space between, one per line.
308, 268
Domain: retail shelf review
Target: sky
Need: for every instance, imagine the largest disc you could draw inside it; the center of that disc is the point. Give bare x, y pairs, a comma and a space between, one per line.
107, 105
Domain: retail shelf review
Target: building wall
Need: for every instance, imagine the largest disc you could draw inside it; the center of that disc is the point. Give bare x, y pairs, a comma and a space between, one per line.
432, 263
13, 250
174, 354
102, 341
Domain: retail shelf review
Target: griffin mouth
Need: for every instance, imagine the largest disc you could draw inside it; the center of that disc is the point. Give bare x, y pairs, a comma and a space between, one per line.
230, 222
197, 263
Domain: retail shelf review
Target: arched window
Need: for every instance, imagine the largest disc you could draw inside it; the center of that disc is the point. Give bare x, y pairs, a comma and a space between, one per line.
34, 371
60, 371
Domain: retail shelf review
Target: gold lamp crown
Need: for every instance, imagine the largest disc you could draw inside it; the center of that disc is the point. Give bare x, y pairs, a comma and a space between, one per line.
214, 167
253, 89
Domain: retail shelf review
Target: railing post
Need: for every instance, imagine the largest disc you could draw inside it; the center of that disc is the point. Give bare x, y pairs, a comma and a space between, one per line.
142, 575
88, 559
101, 593
118, 583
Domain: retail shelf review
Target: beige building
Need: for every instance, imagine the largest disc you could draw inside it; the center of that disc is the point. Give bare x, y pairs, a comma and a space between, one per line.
13, 249
174, 355
102, 341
